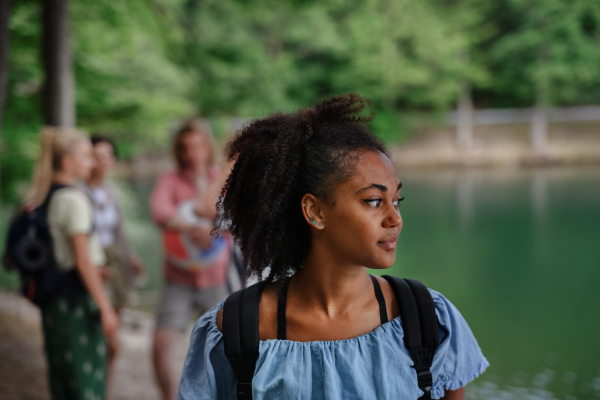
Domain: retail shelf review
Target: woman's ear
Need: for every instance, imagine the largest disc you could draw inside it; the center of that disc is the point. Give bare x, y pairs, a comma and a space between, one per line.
312, 210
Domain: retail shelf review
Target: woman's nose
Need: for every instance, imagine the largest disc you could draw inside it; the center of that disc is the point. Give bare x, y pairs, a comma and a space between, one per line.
393, 218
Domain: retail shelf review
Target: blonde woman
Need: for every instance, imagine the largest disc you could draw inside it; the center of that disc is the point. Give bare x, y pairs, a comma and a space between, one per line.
78, 329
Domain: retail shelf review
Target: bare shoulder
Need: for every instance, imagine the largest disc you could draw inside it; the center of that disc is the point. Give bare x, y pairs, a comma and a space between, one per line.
267, 314
390, 298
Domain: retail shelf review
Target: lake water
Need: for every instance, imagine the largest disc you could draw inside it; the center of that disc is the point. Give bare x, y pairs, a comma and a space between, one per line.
518, 252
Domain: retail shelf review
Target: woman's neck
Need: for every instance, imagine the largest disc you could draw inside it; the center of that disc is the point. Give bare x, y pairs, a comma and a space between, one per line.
329, 284
95, 180
63, 177
200, 171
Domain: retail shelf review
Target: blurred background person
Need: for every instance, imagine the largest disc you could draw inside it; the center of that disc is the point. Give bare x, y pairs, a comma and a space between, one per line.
76, 329
122, 264
195, 269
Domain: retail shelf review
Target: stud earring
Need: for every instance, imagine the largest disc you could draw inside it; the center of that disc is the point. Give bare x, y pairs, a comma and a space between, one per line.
310, 220
314, 222
320, 224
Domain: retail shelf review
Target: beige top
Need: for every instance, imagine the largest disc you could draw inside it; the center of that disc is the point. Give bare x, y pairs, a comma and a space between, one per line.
70, 213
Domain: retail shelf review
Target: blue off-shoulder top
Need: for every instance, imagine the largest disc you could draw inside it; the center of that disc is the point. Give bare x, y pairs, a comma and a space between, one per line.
376, 365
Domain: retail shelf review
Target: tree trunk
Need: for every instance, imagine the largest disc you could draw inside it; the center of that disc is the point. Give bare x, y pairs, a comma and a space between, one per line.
58, 98
4, 43
464, 117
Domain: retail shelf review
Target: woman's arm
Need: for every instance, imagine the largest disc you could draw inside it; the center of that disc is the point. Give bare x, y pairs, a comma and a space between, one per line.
457, 394
122, 240
206, 202
92, 281
162, 204
136, 264
164, 212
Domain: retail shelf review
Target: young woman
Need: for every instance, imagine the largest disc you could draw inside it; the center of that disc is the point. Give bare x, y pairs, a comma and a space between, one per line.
195, 267
314, 200
122, 265
76, 330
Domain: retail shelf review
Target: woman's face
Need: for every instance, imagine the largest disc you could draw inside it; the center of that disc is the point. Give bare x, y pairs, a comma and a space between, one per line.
80, 161
194, 151
362, 221
104, 156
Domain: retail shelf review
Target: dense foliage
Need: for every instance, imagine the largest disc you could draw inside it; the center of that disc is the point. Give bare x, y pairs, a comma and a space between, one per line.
140, 65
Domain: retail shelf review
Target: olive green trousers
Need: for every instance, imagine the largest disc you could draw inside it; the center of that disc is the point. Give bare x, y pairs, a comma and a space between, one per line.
75, 349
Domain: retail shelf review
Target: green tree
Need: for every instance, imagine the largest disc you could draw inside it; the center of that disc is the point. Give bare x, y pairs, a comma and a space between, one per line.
4, 45
127, 84
252, 58
541, 54
543, 49
142, 64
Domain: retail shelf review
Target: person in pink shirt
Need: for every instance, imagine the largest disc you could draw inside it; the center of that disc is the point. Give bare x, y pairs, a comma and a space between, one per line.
195, 268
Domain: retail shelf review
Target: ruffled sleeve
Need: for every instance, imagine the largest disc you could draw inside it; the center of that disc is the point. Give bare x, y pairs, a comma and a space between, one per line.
458, 360
207, 373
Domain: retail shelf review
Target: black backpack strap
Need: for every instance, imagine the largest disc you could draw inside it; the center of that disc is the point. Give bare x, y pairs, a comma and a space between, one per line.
281, 309
380, 299
420, 325
240, 335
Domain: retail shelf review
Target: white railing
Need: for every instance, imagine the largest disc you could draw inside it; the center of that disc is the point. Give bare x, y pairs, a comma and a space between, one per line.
495, 116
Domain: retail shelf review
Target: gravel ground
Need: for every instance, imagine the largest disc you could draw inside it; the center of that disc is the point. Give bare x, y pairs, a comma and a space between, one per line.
23, 366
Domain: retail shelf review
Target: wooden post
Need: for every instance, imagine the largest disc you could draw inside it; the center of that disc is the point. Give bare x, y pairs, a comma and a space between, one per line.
58, 95
464, 117
539, 128
464, 107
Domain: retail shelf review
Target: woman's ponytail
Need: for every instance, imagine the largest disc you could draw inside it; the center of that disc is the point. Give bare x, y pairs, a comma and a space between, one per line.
55, 144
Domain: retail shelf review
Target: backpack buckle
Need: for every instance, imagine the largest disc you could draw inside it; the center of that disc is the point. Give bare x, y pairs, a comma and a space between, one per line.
244, 390
425, 380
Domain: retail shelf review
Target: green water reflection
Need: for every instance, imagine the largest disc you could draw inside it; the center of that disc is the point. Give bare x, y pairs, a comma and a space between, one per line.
519, 254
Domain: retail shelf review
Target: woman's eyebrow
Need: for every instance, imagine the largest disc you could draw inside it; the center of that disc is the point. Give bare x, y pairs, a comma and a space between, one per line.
378, 186
373, 186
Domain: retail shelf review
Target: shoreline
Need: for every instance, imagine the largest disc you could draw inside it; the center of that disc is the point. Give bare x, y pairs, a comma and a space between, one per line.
494, 146
502, 157
501, 146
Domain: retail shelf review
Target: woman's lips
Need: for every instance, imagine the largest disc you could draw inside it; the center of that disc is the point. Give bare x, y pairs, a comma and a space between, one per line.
388, 245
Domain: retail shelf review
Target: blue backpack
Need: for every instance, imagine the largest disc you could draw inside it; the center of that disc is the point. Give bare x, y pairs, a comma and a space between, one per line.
29, 252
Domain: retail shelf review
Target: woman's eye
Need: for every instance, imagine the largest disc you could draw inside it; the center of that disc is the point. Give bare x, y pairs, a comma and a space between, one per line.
397, 202
373, 202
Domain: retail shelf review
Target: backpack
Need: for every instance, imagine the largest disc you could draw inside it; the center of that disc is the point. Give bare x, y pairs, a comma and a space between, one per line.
29, 252
417, 312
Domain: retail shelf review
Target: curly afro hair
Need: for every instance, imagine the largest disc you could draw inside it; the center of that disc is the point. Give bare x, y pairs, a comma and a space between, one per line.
278, 160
